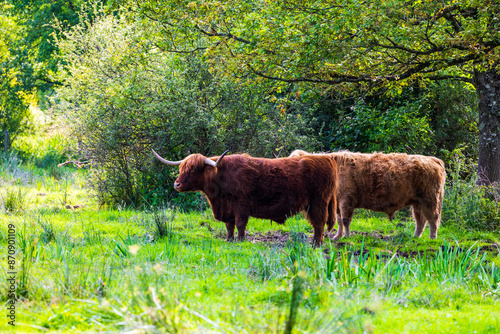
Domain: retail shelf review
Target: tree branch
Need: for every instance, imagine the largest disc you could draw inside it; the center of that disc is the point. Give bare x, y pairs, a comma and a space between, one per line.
78, 163
340, 78
396, 46
229, 35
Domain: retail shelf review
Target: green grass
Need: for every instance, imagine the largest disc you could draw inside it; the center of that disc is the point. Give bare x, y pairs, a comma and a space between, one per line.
84, 268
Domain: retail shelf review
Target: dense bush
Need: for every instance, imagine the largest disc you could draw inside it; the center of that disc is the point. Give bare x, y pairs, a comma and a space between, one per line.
396, 129
467, 204
123, 96
452, 111
434, 119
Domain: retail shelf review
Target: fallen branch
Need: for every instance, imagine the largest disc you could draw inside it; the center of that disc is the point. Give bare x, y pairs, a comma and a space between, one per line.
78, 163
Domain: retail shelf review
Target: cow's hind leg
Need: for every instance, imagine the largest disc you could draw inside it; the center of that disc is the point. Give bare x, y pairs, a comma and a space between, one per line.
241, 225
347, 225
319, 232
318, 216
347, 213
433, 213
340, 231
419, 220
434, 218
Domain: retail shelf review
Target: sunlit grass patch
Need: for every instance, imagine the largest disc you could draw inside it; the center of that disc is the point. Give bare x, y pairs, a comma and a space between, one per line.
470, 318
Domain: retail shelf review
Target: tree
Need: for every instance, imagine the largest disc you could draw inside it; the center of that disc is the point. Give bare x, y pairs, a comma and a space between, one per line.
36, 52
27, 56
14, 101
376, 45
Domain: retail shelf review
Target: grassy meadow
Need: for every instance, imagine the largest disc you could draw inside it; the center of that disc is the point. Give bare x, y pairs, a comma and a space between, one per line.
85, 268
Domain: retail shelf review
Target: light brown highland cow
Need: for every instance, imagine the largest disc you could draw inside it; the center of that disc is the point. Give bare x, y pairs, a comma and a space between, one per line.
387, 183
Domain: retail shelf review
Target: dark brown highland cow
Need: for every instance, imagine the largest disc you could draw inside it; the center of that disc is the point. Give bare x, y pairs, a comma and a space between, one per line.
239, 186
387, 183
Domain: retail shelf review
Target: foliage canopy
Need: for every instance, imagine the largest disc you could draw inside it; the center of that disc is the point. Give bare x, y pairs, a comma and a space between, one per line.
341, 42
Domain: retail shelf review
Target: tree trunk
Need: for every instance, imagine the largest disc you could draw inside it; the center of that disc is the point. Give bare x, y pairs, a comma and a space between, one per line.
488, 89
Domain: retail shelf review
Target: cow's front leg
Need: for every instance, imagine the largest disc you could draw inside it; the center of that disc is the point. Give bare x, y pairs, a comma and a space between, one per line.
230, 231
241, 225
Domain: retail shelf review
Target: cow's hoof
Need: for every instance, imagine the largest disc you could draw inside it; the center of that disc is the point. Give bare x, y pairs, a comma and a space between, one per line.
418, 234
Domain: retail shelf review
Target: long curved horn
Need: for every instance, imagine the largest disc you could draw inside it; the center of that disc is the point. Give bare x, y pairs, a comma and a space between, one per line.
166, 162
215, 164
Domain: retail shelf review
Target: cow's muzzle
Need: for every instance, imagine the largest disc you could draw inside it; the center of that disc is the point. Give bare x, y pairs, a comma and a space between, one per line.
177, 186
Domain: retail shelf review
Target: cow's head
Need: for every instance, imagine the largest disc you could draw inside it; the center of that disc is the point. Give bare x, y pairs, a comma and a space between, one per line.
193, 171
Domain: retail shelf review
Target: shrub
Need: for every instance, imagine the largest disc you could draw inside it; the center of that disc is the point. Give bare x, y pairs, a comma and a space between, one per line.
469, 205
472, 206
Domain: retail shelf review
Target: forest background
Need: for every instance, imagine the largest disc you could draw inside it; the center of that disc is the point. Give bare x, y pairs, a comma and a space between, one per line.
182, 77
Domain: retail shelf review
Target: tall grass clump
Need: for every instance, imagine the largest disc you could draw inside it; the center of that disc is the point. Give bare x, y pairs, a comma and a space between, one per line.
158, 223
297, 292
296, 249
9, 162
47, 230
29, 253
14, 200
163, 223
266, 265
469, 205
467, 267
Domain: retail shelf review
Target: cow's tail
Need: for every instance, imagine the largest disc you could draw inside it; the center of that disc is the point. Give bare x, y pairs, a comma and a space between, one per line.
332, 206
330, 225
